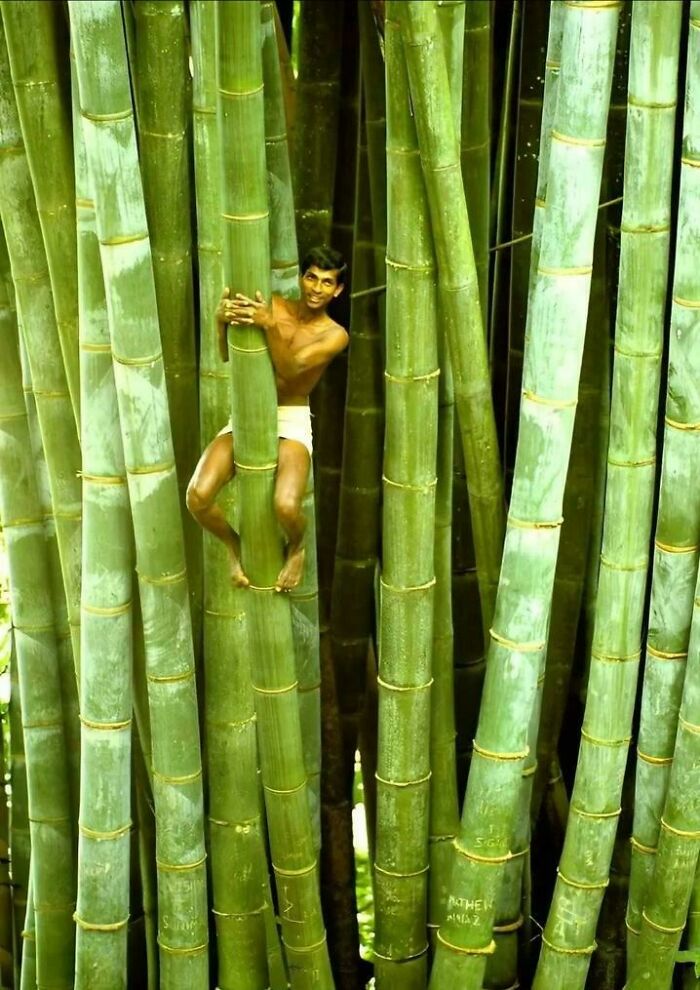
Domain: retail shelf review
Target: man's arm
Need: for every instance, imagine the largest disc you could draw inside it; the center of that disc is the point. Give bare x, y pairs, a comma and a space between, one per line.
290, 363
221, 323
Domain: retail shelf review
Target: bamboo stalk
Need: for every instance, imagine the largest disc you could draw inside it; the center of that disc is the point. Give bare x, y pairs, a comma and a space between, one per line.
19, 816
595, 803
246, 246
518, 637
110, 139
408, 573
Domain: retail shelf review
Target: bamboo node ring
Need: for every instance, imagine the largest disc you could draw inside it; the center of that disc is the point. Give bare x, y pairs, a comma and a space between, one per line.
410, 587
680, 832
614, 566
527, 524
256, 467
490, 754
247, 217
687, 427
631, 928
652, 355
645, 462
106, 118
404, 958
91, 833
303, 872
574, 271
163, 578
401, 876
404, 783
261, 587
12, 523
670, 548
181, 867
692, 162
42, 724
483, 950
612, 743
241, 92
163, 468
238, 914
665, 654
109, 726
686, 303
94, 926
510, 644
182, 675
106, 610
594, 814
283, 690
478, 858
410, 488
410, 379
138, 362
580, 142
245, 350
305, 949
582, 886
675, 930
186, 778
512, 926
655, 761
586, 951
689, 726
288, 790
102, 479
121, 239
398, 687
92, 348
544, 401
195, 950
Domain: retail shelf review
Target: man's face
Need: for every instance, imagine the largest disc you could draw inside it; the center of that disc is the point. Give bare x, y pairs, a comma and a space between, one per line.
319, 286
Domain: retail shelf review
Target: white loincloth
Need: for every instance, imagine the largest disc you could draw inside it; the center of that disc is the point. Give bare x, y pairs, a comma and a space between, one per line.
293, 423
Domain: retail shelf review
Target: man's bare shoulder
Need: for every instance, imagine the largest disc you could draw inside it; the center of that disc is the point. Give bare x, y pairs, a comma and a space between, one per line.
331, 327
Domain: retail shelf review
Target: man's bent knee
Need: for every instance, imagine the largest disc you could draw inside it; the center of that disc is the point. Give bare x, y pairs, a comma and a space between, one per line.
197, 501
287, 509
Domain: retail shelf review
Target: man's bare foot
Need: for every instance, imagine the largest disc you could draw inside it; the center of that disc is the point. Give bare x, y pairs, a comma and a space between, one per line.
238, 576
291, 574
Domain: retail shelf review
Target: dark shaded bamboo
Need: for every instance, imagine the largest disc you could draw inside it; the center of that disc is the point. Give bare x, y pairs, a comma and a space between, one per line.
110, 139
408, 524
40, 79
475, 146
246, 246
521, 620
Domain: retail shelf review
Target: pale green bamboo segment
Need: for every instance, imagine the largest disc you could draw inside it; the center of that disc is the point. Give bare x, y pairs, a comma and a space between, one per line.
37, 658
30, 274
110, 139
102, 911
672, 880
213, 377
162, 77
316, 119
459, 291
246, 252
284, 280
19, 813
677, 528
550, 386
408, 528
474, 136
631, 471
444, 805
32, 30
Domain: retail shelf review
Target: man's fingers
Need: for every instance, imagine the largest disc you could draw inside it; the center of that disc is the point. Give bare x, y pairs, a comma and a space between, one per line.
226, 293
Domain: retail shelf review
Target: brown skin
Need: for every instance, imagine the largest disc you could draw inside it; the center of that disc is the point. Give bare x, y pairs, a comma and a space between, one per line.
303, 340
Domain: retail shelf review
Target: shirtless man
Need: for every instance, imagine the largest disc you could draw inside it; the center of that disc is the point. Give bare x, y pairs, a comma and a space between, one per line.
302, 340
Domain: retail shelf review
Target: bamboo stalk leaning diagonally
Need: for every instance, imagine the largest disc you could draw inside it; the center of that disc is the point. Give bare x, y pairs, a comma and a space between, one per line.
631, 470
110, 139
102, 911
677, 527
19, 816
246, 250
408, 574
519, 632
458, 291
33, 32
37, 658
36, 309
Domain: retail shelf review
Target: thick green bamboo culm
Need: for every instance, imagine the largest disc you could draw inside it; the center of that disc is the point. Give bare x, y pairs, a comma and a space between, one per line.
475, 144
458, 291
36, 311
246, 252
408, 573
519, 632
110, 139
39, 80
677, 529
102, 910
213, 378
37, 658
162, 78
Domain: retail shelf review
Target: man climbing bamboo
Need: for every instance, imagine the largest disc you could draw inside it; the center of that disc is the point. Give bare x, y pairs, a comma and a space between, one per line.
302, 340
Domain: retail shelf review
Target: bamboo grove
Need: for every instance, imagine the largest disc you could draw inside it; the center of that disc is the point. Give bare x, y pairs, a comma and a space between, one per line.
461, 753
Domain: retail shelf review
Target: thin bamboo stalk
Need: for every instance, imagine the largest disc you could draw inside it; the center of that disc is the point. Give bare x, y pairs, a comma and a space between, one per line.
408, 573
246, 245
110, 139
475, 150
631, 470
39, 77
459, 292
28, 971
518, 637
37, 656
19, 816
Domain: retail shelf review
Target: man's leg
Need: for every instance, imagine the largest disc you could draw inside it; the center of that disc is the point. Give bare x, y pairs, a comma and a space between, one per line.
215, 469
292, 475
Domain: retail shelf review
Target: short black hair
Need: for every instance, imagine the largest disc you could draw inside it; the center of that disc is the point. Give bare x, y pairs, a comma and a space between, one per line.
327, 259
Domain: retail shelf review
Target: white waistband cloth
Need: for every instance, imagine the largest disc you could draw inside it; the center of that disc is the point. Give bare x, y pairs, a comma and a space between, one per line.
293, 423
